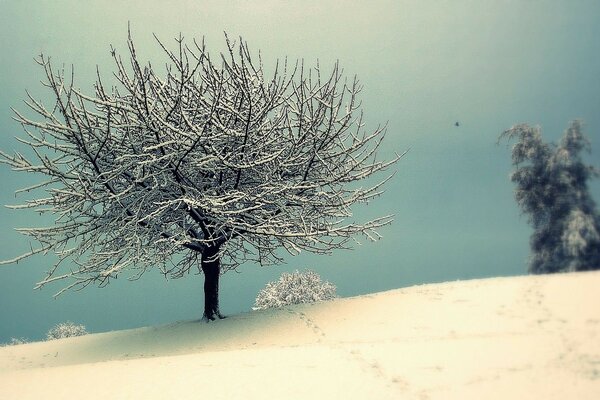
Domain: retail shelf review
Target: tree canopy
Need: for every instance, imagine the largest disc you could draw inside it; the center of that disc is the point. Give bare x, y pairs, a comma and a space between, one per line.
213, 159
551, 188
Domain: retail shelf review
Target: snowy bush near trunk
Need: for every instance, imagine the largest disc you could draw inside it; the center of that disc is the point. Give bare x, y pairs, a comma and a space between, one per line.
294, 288
65, 330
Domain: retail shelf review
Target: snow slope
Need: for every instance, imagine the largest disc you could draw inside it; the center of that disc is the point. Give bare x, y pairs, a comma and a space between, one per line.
530, 337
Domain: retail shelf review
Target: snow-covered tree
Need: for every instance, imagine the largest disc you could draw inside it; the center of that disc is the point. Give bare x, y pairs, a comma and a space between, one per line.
294, 288
551, 188
65, 330
207, 166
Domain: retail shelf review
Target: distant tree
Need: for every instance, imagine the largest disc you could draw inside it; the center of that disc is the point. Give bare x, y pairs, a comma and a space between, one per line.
294, 288
206, 167
551, 188
65, 330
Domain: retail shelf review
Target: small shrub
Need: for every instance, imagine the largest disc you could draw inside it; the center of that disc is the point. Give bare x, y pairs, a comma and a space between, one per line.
294, 288
15, 342
65, 330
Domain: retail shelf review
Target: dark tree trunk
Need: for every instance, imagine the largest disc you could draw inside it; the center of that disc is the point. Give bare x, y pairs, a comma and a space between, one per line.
211, 266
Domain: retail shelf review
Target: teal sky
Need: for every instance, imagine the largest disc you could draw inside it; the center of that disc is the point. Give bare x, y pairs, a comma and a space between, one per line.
424, 64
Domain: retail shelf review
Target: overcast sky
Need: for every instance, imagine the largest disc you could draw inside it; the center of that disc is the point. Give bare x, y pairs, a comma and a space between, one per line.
425, 65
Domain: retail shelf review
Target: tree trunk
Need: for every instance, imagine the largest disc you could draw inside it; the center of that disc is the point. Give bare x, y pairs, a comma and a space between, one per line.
211, 266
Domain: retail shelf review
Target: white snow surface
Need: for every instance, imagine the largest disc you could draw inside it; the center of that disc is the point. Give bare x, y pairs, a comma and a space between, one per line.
529, 337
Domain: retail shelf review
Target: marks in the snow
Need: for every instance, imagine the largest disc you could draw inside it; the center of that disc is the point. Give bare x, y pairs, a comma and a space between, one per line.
308, 322
431, 293
374, 367
371, 366
575, 355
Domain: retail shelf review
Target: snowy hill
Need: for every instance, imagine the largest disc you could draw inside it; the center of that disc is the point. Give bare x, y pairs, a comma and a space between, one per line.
530, 337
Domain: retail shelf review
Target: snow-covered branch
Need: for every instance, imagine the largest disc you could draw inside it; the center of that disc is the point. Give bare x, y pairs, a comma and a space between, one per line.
212, 154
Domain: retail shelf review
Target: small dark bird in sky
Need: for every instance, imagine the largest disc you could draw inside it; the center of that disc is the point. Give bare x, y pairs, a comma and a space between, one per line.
456, 123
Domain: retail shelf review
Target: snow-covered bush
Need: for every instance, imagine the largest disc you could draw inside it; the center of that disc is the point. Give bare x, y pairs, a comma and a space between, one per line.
65, 330
294, 288
15, 342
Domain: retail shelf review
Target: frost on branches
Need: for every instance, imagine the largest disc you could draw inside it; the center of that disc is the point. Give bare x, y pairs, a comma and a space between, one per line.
551, 188
205, 167
294, 288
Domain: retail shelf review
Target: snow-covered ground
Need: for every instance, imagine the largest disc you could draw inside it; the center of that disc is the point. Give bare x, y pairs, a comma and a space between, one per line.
530, 337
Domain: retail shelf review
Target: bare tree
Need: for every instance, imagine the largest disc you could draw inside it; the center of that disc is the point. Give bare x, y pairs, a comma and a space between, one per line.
551, 188
208, 166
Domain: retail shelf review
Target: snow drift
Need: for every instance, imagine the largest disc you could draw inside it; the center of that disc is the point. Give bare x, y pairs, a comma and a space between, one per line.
527, 337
